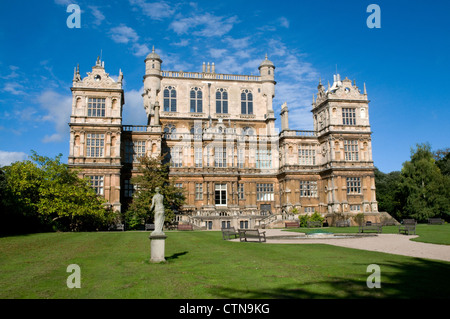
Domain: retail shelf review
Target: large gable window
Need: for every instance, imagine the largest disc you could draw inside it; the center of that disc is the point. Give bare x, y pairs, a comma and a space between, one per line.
96, 107
170, 99
196, 100
246, 102
221, 101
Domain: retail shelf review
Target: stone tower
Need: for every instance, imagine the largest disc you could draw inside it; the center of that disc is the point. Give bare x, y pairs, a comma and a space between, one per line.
152, 86
95, 130
267, 73
341, 120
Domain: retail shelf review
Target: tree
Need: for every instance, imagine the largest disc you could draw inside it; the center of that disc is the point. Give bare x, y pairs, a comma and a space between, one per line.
388, 192
50, 193
152, 173
426, 189
442, 158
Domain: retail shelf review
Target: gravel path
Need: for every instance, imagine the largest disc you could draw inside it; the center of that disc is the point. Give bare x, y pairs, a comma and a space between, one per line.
387, 243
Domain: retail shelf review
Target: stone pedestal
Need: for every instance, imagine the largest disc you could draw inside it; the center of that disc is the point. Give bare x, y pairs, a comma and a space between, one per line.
157, 247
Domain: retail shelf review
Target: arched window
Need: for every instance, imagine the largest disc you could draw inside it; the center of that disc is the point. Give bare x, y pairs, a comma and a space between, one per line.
246, 102
196, 100
169, 129
221, 101
248, 131
170, 99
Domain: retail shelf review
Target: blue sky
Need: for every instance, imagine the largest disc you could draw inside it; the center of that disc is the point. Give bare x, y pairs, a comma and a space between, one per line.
405, 63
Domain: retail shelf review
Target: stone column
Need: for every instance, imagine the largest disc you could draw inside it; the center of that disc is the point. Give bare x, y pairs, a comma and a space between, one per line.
157, 247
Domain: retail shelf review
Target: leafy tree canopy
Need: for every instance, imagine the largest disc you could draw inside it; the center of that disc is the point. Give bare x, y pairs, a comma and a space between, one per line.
50, 193
152, 173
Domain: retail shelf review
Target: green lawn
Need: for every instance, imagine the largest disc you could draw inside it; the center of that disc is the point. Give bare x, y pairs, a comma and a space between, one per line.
435, 234
202, 265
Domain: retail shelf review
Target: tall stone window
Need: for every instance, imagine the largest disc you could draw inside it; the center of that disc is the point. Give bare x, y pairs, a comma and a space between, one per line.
170, 99
96, 107
241, 194
198, 156
220, 194
351, 150
196, 100
134, 150
220, 157
169, 131
176, 156
306, 155
221, 101
308, 188
198, 191
353, 185
246, 102
264, 192
128, 188
263, 158
95, 144
97, 183
348, 116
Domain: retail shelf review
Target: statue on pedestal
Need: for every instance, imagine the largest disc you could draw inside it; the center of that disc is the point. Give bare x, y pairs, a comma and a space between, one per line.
158, 205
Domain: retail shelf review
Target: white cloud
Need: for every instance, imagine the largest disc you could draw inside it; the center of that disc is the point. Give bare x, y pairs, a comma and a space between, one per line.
217, 53
7, 158
140, 49
14, 88
98, 15
123, 34
133, 109
203, 25
59, 108
156, 10
65, 2
284, 22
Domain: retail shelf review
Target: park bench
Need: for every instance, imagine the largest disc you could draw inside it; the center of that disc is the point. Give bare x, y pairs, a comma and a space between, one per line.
343, 223
149, 226
185, 227
435, 221
245, 234
120, 227
409, 226
314, 224
369, 226
228, 232
291, 224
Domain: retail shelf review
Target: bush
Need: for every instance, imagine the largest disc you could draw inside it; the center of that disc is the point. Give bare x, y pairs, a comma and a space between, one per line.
315, 217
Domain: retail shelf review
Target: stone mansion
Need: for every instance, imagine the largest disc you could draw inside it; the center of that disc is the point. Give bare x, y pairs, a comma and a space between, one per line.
218, 131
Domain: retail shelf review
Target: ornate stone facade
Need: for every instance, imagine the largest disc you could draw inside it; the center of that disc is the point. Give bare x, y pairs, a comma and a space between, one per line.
218, 131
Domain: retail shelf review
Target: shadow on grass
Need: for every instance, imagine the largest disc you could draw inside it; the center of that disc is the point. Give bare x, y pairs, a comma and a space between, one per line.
175, 256
420, 279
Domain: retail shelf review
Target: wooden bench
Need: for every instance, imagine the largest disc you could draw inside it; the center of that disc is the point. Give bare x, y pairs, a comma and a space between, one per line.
409, 226
245, 234
120, 227
291, 224
435, 221
343, 223
314, 224
370, 227
185, 227
149, 226
228, 232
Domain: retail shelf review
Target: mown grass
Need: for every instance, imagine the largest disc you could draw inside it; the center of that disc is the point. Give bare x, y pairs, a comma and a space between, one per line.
202, 265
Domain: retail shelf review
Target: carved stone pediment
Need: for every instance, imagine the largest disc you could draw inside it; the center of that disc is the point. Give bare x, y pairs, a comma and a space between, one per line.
98, 79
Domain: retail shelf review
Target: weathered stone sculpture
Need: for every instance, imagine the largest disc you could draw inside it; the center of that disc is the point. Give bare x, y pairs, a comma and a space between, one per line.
157, 237
158, 205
